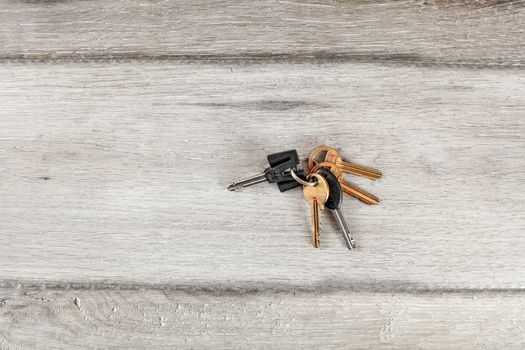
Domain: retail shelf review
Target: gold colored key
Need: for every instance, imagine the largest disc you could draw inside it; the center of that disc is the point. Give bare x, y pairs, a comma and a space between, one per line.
316, 196
347, 187
346, 167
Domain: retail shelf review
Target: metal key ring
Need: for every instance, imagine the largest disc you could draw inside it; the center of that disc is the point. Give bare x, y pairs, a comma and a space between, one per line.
301, 181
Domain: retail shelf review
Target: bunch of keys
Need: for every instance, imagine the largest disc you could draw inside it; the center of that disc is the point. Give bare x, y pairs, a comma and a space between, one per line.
323, 186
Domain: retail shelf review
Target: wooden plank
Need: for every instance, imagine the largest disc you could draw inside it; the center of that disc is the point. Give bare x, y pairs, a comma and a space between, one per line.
480, 33
116, 319
118, 173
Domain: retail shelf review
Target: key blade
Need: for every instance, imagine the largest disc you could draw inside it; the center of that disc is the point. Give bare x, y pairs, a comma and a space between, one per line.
359, 170
316, 196
316, 223
339, 218
358, 193
252, 180
351, 167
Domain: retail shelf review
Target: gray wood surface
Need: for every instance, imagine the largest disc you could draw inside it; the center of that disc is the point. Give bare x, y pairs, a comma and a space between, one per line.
153, 319
120, 173
122, 124
431, 32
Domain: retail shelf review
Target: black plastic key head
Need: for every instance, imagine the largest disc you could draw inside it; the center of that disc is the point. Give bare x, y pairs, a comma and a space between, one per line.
277, 159
335, 199
283, 178
279, 171
290, 184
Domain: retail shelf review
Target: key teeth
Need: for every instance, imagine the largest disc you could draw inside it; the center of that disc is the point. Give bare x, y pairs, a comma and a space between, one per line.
316, 241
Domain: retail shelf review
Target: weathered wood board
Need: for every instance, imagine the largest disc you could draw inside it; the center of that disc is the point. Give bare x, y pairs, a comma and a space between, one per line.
122, 123
468, 33
152, 319
120, 173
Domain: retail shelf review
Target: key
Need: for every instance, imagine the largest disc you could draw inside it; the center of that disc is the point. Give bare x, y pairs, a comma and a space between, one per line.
347, 167
348, 188
352, 168
288, 183
335, 199
278, 172
316, 196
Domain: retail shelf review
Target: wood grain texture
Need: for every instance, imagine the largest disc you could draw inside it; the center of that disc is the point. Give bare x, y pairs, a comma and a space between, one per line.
122, 123
118, 174
167, 320
467, 33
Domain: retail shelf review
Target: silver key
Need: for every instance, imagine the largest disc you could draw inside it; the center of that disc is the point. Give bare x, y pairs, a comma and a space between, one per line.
249, 181
334, 204
340, 219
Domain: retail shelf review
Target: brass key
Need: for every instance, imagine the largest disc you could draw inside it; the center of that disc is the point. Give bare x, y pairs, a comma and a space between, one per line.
347, 187
316, 196
346, 167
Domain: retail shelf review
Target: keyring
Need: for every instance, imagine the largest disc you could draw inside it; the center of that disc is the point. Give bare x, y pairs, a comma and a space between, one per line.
301, 181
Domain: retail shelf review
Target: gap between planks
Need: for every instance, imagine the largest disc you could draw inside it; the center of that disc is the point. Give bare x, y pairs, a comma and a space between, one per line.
262, 288
382, 59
